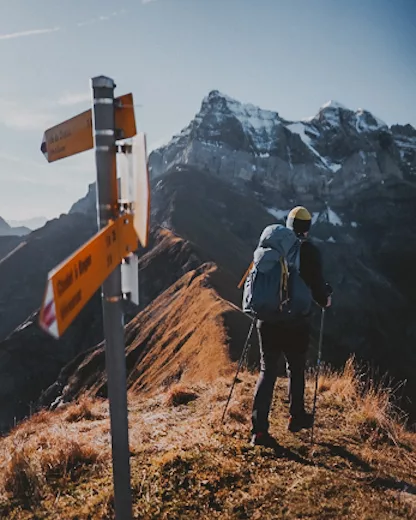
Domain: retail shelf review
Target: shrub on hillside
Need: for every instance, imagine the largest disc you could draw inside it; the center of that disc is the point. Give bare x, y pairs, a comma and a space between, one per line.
179, 394
369, 406
36, 468
82, 410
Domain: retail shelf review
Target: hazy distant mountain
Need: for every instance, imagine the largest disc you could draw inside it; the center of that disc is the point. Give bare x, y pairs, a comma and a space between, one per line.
31, 223
7, 230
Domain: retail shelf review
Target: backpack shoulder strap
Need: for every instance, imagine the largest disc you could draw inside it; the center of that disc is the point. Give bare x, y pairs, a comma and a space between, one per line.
243, 279
294, 255
284, 291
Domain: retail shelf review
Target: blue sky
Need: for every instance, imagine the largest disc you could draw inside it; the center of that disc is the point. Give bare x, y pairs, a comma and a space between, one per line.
285, 55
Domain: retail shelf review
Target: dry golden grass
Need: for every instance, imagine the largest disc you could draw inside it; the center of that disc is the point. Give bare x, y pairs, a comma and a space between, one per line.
37, 469
186, 464
370, 405
343, 386
34, 470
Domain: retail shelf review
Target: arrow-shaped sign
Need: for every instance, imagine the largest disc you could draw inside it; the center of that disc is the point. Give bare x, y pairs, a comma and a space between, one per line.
71, 285
75, 135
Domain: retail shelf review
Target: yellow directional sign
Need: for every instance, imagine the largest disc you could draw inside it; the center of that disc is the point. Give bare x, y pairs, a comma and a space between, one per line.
75, 135
72, 284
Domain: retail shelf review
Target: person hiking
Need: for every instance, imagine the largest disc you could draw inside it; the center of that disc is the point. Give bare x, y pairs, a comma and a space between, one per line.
290, 337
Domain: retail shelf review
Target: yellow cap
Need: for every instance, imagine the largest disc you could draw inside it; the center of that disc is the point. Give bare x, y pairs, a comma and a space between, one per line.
299, 213
299, 220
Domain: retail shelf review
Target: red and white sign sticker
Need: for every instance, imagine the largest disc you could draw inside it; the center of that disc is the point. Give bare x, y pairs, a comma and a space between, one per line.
47, 318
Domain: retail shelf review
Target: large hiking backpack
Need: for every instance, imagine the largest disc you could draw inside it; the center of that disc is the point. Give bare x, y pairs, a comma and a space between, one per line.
274, 290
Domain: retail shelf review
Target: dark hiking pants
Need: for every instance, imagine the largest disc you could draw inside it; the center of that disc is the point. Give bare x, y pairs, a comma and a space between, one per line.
293, 343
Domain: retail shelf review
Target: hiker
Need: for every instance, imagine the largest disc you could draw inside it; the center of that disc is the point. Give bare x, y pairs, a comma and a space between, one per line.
290, 337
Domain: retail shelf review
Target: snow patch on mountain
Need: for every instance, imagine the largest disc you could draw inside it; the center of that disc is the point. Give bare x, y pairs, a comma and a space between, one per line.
333, 104
367, 122
328, 216
333, 166
333, 218
300, 129
279, 214
405, 144
315, 216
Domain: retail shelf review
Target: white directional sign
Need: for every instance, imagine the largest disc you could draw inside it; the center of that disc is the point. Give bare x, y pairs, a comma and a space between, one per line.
130, 278
141, 201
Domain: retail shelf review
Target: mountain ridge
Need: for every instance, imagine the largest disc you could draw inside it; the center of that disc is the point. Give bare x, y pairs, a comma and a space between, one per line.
208, 213
313, 160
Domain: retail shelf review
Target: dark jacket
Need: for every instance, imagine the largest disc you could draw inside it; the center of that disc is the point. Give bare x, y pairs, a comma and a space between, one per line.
311, 272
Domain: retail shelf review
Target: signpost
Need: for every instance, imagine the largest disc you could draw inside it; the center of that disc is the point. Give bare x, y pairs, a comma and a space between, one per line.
75, 135
98, 262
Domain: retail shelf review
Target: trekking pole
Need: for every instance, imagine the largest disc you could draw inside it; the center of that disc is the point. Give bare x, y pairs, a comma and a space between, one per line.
240, 364
318, 366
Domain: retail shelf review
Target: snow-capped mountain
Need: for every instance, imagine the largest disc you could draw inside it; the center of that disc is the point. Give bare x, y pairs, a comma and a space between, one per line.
334, 153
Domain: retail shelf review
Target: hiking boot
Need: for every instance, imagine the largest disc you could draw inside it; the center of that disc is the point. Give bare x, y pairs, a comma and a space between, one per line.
300, 422
263, 439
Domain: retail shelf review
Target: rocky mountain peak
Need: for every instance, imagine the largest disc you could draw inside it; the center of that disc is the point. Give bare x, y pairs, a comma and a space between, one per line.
333, 105
338, 117
242, 126
217, 101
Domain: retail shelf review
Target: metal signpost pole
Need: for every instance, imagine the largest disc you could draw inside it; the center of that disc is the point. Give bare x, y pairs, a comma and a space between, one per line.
107, 208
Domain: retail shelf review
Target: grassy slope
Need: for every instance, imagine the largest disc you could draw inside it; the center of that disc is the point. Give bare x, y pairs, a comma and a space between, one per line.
185, 464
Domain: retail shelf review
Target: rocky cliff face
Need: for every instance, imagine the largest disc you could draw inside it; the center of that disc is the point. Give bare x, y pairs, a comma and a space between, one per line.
323, 158
320, 161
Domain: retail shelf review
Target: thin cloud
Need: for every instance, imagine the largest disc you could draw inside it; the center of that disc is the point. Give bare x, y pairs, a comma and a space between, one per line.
87, 22
101, 18
5, 156
147, 1
23, 34
74, 98
15, 115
